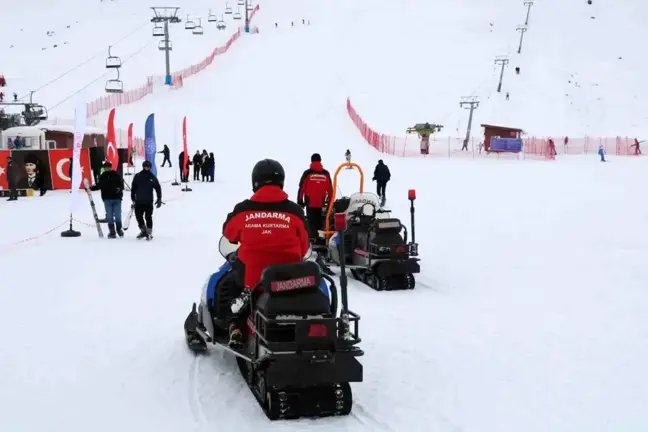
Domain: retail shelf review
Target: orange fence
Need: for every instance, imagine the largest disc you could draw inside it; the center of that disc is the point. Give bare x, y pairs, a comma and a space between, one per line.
534, 148
111, 101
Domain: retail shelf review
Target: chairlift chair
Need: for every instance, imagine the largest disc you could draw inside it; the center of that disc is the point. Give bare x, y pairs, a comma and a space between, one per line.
228, 9
115, 85
189, 24
112, 62
237, 15
198, 29
211, 17
163, 47
220, 25
240, 2
250, 6
158, 31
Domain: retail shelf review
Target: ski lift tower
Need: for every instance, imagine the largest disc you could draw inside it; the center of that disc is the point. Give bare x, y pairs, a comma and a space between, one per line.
166, 15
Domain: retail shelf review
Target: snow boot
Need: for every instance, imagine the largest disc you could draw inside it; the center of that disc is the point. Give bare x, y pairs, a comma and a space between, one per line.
120, 230
111, 228
142, 234
235, 338
149, 234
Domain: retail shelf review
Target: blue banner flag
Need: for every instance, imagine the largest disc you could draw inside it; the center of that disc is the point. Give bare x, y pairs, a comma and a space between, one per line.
512, 145
149, 141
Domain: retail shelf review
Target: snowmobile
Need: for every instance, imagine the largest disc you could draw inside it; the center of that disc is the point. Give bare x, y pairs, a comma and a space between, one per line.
300, 356
376, 245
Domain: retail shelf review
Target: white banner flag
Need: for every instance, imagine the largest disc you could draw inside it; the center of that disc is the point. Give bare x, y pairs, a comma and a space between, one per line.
79, 132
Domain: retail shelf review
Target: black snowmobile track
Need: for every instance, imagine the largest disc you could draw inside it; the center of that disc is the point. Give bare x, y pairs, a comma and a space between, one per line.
390, 283
294, 403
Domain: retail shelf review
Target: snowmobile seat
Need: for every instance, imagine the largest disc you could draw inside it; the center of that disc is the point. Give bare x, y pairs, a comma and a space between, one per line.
294, 289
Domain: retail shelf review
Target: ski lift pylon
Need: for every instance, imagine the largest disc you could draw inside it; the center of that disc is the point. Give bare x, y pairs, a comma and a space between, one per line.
228, 9
112, 62
115, 85
237, 15
158, 31
198, 29
189, 24
211, 17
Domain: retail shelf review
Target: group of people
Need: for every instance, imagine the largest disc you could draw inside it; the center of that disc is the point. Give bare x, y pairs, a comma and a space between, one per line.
271, 229
144, 188
204, 165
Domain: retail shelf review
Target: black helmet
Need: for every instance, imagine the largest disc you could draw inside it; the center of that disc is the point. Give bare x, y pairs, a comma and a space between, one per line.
315, 157
267, 172
146, 164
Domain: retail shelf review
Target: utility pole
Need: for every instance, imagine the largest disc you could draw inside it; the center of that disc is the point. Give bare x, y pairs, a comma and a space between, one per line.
522, 30
471, 103
503, 61
166, 15
528, 4
247, 18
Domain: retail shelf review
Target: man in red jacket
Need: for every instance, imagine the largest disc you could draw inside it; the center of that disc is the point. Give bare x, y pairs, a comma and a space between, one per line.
270, 229
315, 189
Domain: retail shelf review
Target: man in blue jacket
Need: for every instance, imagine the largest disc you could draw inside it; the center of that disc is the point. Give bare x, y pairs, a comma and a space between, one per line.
144, 183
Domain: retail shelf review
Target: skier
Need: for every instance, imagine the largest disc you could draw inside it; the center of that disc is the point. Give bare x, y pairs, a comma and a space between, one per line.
637, 146
276, 235
11, 172
381, 177
517, 70
601, 152
197, 162
112, 191
347, 156
315, 189
167, 155
144, 183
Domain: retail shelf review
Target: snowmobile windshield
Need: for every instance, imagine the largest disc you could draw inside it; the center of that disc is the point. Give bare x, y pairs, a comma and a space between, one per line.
360, 199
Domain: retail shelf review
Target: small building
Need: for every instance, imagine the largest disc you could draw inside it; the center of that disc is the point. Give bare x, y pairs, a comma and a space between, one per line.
50, 137
491, 131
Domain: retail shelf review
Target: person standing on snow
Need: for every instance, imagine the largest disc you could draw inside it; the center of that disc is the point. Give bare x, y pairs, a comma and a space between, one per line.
112, 191
381, 177
197, 163
12, 173
167, 156
144, 183
315, 190
276, 236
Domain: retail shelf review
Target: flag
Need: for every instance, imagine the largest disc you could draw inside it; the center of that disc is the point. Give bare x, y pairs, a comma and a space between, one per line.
149, 142
111, 143
129, 151
79, 132
185, 168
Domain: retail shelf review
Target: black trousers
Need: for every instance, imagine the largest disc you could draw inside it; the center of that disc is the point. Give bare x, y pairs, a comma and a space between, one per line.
13, 192
166, 159
196, 172
380, 188
144, 215
315, 222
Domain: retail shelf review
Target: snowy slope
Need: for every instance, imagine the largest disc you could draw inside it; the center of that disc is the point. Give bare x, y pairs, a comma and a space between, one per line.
530, 308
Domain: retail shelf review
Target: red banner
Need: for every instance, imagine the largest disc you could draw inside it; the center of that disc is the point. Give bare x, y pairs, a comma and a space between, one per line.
185, 168
4, 154
111, 146
129, 152
60, 167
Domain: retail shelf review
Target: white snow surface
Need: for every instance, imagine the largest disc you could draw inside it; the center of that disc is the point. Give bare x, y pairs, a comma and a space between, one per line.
530, 313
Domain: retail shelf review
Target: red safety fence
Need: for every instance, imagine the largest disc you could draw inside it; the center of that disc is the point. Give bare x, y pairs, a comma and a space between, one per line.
534, 148
111, 101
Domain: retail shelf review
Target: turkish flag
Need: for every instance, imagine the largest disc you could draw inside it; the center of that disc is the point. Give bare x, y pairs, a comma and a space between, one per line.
60, 168
4, 154
111, 143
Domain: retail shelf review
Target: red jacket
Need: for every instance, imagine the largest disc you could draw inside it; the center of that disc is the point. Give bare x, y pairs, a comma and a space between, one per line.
270, 229
315, 185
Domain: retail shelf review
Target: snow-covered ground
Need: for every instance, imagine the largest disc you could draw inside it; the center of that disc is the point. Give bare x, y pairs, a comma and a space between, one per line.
529, 314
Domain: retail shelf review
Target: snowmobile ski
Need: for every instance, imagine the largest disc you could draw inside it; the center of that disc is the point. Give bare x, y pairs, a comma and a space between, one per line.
86, 185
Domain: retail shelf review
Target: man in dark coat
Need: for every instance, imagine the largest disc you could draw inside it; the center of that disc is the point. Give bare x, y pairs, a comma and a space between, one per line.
167, 156
144, 184
30, 179
197, 163
381, 177
183, 178
112, 190
11, 172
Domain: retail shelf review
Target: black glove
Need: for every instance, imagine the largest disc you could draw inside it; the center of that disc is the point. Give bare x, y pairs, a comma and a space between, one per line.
373, 179
158, 204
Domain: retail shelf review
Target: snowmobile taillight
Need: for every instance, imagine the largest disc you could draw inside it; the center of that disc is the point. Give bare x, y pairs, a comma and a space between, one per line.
411, 194
340, 221
317, 330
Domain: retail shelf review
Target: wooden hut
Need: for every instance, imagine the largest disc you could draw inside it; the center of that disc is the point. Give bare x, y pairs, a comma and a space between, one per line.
491, 131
